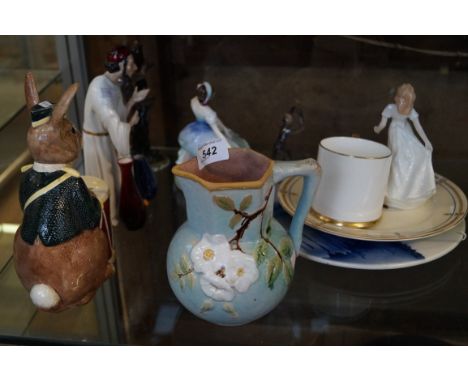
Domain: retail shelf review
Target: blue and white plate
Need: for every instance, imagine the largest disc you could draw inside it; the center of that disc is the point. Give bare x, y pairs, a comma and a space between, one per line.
349, 253
358, 254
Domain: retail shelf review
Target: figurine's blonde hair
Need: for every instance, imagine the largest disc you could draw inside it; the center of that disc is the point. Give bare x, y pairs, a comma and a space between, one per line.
407, 92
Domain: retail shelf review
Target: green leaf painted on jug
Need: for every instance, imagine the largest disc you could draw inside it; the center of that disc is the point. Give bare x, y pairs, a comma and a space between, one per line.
182, 283
229, 308
235, 220
274, 267
268, 229
286, 248
224, 202
207, 306
288, 271
191, 280
185, 264
245, 203
261, 252
184, 273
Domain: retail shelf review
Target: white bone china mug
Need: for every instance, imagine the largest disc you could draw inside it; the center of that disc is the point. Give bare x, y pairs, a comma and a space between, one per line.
354, 180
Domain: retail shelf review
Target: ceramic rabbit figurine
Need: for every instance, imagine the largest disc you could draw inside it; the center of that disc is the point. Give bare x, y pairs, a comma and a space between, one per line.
61, 255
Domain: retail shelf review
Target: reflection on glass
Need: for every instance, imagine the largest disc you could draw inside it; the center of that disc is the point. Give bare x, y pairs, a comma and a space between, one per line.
17, 55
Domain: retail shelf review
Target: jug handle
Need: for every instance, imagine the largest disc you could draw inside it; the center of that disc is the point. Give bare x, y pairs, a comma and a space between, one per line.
310, 170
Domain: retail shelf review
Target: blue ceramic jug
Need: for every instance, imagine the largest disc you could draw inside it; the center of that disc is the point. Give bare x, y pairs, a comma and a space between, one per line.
231, 262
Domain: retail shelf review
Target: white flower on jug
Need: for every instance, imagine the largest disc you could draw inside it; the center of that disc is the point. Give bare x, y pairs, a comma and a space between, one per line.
224, 271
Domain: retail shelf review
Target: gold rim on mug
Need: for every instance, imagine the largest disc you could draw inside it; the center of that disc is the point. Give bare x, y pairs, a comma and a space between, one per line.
354, 156
339, 223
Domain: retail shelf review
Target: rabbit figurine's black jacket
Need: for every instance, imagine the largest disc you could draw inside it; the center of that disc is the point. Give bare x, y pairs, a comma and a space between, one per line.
60, 214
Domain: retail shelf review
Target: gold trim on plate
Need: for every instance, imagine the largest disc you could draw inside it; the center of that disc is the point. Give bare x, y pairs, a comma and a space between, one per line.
448, 214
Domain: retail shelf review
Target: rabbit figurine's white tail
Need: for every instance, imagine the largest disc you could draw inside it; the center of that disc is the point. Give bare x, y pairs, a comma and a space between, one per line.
43, 296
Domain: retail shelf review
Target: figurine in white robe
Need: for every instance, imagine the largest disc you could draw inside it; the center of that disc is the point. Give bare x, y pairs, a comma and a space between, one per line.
106, 132
411, 181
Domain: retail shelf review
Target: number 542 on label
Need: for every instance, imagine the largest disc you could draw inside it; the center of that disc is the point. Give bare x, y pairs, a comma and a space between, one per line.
211, 152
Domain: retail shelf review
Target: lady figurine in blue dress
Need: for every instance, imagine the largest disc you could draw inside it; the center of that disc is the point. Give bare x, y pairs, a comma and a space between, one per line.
412, 179
206, 128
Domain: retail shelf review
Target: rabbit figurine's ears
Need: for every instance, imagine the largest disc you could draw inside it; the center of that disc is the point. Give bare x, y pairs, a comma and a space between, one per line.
32, 97
62, 106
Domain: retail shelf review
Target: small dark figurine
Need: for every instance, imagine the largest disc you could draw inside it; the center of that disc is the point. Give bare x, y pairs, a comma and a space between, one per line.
139, 134
61, 254
293, 123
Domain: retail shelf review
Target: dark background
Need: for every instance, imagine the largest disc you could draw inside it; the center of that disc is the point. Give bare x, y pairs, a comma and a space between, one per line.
341, 83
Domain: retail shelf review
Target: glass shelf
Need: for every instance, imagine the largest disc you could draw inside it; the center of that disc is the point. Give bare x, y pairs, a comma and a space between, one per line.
324, 306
